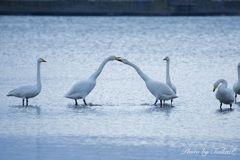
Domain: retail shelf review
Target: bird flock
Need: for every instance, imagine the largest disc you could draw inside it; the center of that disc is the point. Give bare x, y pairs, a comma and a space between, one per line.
161, 91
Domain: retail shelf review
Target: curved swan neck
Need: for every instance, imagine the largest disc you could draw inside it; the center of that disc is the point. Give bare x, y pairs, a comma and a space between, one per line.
139, 71
38, 74
224, 83
99, 70
168, 80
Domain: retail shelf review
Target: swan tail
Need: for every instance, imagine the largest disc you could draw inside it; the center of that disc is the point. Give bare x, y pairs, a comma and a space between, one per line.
10, 93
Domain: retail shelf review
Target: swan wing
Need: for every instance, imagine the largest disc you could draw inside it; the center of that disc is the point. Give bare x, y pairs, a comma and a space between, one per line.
236, 88
225, 95
81, 89
160, 90
27, 91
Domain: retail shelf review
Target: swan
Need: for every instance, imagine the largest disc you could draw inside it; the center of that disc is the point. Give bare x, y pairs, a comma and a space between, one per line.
29, 91
160, 90
223, 94
236, 86
168, 80
81, 89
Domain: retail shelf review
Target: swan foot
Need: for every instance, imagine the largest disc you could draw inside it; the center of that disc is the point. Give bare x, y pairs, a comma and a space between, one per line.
84, 102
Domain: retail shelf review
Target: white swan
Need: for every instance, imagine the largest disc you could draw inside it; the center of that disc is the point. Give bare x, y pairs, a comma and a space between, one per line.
168, 80
30, 91
160, 90
81, 89
223, 94
236, 86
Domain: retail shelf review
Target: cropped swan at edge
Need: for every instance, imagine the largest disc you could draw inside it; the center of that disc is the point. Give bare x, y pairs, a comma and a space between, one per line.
160, 90
29, 91
236, 86
81, 89
223, 94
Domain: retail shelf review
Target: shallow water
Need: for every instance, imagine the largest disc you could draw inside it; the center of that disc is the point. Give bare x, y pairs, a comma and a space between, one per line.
121, 121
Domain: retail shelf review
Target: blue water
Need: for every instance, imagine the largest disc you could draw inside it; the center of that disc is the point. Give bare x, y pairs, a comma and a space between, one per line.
121, 121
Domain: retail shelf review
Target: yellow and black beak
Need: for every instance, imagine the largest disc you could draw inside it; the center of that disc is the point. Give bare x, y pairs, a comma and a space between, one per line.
43, 60
214, 88
165, 58
119, 59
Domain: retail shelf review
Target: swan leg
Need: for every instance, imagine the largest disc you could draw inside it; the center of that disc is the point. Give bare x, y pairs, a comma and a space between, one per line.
235, 97
84, 102
23, 101
221, 105
156, 102
27, 102
171, 101
230, 106
160, 103
76, 102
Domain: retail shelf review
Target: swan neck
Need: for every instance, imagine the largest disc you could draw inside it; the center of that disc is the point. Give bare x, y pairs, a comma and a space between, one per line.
99, 70
139, 71
168, 80
38, 75
238, 74
224, 83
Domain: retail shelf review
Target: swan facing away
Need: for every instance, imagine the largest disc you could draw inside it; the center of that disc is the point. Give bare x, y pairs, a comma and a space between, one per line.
223, 94
236, 86
160, 90
81, 89
29, 91
168, 80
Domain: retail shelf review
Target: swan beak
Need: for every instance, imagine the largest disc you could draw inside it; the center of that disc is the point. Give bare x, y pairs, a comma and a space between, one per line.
214, 88
165, 58
119, 59
43, 60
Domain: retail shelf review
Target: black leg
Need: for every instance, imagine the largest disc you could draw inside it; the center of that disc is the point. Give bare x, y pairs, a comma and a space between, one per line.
156, 102
23, 101
221, 106
171, 101
235, 97
160, 102
27, 102
84, 102
76, 102
230, 106
164, 101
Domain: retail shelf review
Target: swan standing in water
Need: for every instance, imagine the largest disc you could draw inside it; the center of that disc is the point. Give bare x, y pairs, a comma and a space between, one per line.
81, 89
29, 91
223, 94
168, 80
160, 90
236, 86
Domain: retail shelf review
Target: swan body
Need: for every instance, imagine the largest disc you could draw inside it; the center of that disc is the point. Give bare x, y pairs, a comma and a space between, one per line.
168, 80
223, 94
236, 86
160, 90
81, 89
29, 91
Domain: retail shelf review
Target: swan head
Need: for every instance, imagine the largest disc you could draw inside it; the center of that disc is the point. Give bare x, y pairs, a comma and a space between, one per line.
123, 60
113, 58
41, 60
166, 58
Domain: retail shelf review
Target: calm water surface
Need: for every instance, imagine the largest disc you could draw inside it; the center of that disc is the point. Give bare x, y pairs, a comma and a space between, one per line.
121, 122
